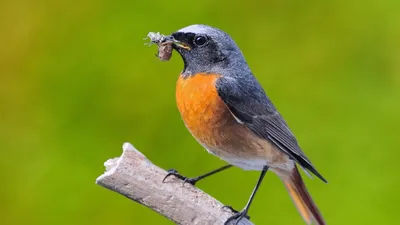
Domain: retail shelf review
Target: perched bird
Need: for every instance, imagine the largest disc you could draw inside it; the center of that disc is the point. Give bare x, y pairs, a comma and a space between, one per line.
227, 111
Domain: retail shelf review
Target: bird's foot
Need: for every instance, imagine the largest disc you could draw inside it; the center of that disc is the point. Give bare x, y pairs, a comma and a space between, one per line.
173, 172
235, 219
230, 208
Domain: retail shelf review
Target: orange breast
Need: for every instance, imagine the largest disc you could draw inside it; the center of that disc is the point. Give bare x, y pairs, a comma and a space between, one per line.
202, 110
212, 124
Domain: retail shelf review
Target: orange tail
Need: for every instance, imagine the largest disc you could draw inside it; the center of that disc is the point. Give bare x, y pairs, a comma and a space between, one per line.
302, 199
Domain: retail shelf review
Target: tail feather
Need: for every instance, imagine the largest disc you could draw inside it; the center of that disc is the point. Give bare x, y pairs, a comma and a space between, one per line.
302, 199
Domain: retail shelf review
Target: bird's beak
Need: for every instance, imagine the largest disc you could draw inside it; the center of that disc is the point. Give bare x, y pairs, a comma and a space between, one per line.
181, 44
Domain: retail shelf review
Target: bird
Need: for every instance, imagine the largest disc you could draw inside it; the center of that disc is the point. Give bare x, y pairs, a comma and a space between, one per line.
228, 112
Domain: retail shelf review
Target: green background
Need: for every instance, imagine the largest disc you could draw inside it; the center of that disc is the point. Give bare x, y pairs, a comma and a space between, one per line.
77, 82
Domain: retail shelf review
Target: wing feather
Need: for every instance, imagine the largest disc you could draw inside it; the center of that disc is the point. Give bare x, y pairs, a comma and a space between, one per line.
250, 105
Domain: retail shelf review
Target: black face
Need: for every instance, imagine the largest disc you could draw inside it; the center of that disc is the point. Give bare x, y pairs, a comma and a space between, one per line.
200, 52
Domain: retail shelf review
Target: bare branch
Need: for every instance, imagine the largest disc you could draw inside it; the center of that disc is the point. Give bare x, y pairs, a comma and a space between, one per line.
135, 177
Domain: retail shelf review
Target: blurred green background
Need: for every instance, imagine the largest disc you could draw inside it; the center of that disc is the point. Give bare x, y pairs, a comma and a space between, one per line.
77, 82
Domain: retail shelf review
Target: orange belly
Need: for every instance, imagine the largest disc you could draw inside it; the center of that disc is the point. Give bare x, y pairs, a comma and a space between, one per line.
209, 120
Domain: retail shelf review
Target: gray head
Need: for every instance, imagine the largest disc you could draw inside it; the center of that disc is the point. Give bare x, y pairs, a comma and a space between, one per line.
206, 49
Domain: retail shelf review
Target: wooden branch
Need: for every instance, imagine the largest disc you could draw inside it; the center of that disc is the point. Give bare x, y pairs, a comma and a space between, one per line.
134, 176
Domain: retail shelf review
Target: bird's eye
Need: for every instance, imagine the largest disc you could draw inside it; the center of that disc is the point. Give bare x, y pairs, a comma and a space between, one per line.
200, 40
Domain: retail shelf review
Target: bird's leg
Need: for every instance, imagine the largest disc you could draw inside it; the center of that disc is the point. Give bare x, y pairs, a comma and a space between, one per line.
243, 214
173, 172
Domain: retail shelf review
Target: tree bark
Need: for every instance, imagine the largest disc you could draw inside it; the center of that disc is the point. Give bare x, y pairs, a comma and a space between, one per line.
134, 176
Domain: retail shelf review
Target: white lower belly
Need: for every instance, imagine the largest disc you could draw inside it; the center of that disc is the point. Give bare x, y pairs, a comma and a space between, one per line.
247, 164
258, 164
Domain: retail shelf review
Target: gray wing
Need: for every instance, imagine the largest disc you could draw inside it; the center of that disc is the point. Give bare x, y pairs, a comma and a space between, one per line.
248, 102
